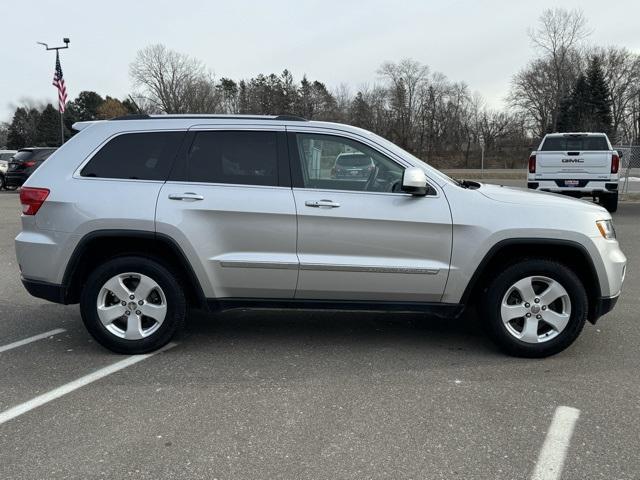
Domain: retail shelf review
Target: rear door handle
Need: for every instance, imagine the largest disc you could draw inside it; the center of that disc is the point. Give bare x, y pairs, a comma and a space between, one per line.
186, 196
322, 203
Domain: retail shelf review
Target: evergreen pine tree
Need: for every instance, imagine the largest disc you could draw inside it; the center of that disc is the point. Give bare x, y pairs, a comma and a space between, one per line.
599, 104
360, 112
49, 128
23, 129
580, 105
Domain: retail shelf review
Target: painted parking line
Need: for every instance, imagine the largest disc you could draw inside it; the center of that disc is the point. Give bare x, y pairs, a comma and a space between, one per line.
35, 338
58, 392
555, 446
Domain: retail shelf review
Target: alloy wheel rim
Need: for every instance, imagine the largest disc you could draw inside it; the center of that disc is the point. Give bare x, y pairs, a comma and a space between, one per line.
535, 309
131, 306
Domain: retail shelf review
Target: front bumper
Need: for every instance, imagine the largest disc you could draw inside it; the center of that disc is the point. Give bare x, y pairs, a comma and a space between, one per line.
603, 306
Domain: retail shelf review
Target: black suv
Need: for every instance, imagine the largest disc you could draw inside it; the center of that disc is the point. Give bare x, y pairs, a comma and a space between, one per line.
24, 163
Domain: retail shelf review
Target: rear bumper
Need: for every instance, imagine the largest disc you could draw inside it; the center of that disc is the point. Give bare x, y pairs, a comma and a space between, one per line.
47, 291
586, 188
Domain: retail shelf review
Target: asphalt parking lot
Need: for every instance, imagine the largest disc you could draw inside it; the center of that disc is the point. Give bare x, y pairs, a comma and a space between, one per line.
312, 395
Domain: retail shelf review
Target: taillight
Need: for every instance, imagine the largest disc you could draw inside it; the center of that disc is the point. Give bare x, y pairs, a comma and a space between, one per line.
32, 199
532, 164
615, 163
28, 164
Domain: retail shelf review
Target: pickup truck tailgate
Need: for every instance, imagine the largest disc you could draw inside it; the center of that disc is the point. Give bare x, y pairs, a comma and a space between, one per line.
573, 164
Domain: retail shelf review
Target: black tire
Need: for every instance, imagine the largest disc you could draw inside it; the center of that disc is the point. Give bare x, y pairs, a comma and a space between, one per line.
2, 183
175, 304
609, 201
490, 307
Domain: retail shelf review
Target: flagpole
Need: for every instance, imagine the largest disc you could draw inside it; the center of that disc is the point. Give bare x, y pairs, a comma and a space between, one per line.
60, 108
61, 128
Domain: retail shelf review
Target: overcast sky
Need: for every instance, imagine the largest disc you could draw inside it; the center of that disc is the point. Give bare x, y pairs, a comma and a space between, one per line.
480, 42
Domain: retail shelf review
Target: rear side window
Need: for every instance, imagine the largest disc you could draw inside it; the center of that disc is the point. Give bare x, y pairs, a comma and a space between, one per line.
139, 156
241, 157
574, 144
43, 154
23, 155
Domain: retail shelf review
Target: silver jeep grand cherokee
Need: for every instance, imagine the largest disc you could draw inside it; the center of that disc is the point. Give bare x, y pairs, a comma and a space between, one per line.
140, 218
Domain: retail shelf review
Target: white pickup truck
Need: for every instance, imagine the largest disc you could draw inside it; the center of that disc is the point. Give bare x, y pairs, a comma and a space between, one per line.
576, 164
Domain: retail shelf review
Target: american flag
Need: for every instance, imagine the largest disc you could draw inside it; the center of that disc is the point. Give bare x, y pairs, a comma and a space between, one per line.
58, 82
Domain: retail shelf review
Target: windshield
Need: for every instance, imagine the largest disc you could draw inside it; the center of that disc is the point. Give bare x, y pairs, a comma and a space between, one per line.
355, 160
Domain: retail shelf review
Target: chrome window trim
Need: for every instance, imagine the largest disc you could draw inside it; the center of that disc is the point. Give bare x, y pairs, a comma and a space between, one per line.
228, 185
361, 192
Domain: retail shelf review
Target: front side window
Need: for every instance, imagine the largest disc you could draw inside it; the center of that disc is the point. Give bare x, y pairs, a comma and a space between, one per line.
240, 157
137, 156
337, 163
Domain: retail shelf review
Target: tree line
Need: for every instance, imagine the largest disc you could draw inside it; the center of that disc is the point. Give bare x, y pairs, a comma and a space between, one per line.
39, 125
569, 85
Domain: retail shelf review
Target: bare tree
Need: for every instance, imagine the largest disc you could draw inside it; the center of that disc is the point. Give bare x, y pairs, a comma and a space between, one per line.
407, 79
173, 82
533, 92
558, 34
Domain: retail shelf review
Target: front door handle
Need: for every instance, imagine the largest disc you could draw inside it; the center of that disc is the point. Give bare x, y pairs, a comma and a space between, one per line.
190, 196
322, 204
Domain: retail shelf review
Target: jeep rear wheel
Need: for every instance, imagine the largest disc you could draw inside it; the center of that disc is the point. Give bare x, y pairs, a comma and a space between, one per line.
132, 305
535, 308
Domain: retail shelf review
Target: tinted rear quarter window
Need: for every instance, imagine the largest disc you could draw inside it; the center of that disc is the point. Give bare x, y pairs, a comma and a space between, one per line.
574, 144
140, 156
240, 157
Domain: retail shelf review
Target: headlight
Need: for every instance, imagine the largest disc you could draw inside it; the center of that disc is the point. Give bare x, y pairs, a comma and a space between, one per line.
606, 229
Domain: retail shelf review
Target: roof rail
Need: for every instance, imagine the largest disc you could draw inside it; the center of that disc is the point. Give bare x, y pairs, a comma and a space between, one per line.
291, 118
132, 116
144, 116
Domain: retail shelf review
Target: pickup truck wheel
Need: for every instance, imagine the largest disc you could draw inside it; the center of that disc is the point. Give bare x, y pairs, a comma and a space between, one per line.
535, 308
132, 305
610, 201
1, 181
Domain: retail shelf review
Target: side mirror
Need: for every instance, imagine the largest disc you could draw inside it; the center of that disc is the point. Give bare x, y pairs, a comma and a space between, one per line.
620, 153
414, 181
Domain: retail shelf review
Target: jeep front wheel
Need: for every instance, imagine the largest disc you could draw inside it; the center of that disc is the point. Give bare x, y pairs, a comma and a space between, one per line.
535, 308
